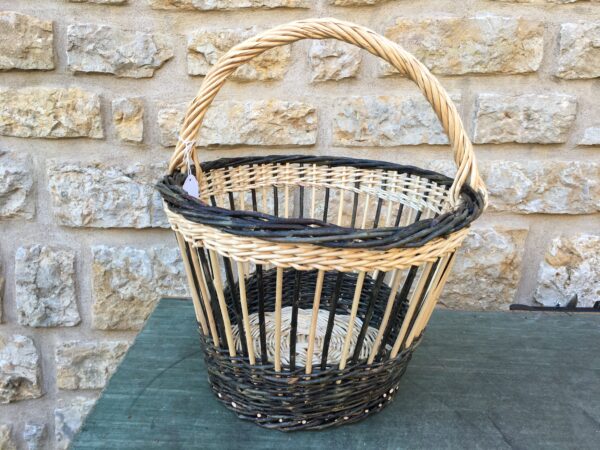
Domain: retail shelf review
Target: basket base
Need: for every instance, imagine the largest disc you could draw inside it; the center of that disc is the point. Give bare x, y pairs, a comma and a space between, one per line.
290, 401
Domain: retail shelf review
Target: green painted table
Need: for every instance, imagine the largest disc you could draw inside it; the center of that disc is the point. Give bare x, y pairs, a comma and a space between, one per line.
478, 380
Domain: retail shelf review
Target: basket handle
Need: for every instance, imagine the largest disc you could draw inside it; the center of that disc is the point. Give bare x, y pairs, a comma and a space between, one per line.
360, 36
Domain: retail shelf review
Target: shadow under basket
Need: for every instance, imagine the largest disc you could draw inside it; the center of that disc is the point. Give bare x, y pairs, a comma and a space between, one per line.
313, 277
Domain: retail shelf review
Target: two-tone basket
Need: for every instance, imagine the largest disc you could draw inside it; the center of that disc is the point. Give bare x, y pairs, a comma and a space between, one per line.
313, 277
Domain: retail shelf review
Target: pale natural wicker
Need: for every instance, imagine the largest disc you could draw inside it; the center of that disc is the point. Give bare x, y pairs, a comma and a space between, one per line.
314, 277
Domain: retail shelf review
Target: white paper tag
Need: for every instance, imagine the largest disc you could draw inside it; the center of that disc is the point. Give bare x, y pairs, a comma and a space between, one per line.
191, 186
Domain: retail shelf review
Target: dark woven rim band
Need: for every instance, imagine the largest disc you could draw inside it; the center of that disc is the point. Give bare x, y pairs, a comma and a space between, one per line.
313, 231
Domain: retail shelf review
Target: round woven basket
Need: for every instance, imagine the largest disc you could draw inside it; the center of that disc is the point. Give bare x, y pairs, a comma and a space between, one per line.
314, 277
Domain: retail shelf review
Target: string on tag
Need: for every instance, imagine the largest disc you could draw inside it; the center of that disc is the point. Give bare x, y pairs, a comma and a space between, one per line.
188, 146
190, 185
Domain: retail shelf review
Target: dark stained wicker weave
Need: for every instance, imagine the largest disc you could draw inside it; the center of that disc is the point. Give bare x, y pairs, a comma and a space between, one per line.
291, 399
314, 231
313, 278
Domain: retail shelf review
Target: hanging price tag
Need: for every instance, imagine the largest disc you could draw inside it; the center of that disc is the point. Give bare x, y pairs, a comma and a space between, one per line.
190, 185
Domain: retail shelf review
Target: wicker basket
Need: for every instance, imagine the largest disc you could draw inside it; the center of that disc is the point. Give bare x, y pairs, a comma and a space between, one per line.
313, 277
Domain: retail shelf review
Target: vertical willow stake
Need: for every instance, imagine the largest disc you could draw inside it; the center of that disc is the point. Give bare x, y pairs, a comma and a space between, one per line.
186, 264
414, 300
205, 295
313, 324
278, 296
244, 302
355, 302
222, 303
386, 316
436, 286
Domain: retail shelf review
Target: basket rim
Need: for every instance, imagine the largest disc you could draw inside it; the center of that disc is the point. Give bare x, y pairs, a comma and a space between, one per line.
313, 231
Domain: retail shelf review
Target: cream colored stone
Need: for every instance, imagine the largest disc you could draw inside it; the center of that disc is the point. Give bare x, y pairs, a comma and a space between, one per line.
487, 270
542, 2
331, 59
45, 286
128, 118
106, 196
206, 47
87, 365
482, 44
124, 53
546, 187
550, 187
579, 50
16, 186
19, 369
7, 441
591, 136
101, 2
1, 289
570, 267
127, 283
26, 42
386, 121
355, 2
68, 418
261, 123
44, 112
207, 5
528, 118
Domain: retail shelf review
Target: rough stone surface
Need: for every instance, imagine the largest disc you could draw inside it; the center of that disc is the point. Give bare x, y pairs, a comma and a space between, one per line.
45, 112
546, 187
263, 122
45, 287
101, 2
16, 186
485, 44
34, 435
1, 289
541, 2
206, 5
386, 121
331, 59
530, 118
87, 365
487, 270
7, 441
552, 187
68, 418
206, 47
591, 136
579, 50
124, 53
127, 283
570, 267
106, 196
19, 369
355, 2
25, 42
128, 118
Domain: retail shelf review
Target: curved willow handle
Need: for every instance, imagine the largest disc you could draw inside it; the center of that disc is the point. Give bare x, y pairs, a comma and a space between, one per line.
360, 36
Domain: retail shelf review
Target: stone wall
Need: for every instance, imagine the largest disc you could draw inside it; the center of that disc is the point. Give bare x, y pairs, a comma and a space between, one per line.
92, 93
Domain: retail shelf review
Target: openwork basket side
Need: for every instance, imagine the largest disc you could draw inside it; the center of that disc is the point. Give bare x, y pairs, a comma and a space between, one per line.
314, 277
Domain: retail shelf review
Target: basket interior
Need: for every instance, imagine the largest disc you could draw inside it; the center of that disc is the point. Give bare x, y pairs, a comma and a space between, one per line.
350, 197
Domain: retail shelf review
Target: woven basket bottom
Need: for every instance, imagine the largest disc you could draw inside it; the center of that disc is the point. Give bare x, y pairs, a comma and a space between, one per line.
291, 399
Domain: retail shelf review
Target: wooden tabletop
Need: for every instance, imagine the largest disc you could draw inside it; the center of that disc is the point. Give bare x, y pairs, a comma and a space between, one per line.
478, 380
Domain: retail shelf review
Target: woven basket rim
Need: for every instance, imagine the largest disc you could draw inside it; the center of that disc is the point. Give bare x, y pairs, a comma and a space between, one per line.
313, 231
